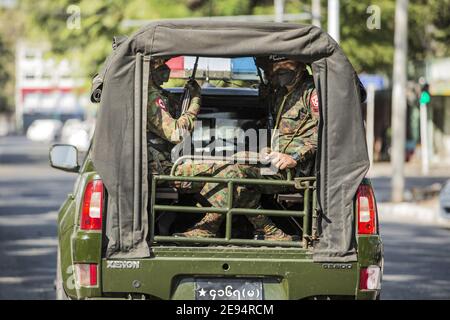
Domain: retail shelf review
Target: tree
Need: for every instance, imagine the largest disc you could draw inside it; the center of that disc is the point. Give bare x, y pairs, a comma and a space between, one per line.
5, 76
369, 50
10, 30
83, 29
430, 29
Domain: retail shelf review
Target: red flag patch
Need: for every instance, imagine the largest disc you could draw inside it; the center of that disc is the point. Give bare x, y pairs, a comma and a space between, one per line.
160, 103
314, 101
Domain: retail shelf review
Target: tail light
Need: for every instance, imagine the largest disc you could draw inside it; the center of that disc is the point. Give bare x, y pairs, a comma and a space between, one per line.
91, 212
370, 278
86, 274
366, 209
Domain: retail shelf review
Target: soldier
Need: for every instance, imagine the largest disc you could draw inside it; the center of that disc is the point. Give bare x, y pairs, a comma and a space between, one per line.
297, 117
163, 131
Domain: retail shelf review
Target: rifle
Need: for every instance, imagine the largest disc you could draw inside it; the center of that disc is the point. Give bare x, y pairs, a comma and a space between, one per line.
186, 98
185, 101
265, 87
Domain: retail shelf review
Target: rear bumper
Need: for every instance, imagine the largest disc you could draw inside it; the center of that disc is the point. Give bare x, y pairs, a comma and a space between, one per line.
286, 273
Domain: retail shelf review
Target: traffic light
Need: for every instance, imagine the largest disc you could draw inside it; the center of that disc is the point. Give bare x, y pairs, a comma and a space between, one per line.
425, 94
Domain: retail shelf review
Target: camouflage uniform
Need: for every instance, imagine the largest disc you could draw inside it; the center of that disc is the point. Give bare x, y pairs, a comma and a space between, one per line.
297, 121
163, 134
163, 131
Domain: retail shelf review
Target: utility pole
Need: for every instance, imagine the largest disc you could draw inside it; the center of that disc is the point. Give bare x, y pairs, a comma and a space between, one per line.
424, 101
279, 10
370, 121
18, 92
333, 20
424, 138
399, 100
316, 14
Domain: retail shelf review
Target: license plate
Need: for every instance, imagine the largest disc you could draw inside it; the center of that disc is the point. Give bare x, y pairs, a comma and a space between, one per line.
228, 289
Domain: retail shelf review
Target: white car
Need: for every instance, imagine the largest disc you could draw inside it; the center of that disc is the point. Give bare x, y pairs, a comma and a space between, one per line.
444, 205
44, 130
77, 133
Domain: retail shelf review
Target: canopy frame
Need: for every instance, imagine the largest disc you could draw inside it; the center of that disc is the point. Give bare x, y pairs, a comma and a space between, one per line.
342, 159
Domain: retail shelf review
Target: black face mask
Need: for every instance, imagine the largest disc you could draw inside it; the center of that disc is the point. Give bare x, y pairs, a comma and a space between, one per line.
161, 74
284, 77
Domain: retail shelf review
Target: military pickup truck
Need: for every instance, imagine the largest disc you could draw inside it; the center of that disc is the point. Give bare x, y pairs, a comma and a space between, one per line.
115, 229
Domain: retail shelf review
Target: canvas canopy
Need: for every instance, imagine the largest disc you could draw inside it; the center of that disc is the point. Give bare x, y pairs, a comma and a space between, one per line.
121, 160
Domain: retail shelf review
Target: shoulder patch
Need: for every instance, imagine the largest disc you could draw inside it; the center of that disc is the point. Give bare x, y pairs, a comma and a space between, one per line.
314, 102
160, 103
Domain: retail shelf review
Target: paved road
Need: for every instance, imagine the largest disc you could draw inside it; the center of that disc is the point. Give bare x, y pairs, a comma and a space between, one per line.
417, 261
30, 194
417, 258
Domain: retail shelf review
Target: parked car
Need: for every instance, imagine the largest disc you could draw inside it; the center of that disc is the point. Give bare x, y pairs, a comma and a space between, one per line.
444, 205
44, 130
77, 133
111, 234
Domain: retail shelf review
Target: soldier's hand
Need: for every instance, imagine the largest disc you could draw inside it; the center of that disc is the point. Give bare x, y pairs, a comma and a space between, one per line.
193, 88
264, 155
282, 161
265, 151
183, 125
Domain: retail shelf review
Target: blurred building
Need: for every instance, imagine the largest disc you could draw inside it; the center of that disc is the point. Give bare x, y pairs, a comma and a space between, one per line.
8, 3
45, 87
438, 76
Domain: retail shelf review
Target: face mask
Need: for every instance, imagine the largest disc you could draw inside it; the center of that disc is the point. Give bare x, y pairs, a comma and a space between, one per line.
161, 74
284, 77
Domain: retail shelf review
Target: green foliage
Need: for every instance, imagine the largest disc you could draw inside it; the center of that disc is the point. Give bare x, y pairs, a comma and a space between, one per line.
5, 76
429, 33
89, 38
10, 31
369, 50
372, 50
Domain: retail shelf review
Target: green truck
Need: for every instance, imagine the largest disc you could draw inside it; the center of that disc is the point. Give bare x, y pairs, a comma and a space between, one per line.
120, 245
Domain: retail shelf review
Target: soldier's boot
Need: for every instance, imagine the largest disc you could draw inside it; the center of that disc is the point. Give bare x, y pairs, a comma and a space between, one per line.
205, 228
265, 229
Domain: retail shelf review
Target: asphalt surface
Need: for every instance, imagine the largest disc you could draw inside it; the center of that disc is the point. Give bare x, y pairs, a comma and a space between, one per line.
417, 257
416, 261
30, 195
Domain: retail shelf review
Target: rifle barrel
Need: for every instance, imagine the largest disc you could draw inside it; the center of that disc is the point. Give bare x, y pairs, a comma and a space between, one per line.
186, 98
194, 71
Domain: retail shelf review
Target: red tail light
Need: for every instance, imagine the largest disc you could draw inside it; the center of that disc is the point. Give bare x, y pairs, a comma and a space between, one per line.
367, 215
91, 212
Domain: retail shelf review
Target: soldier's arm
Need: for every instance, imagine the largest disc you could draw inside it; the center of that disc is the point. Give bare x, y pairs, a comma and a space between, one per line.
187, 119
303, 149
160, 121
304, 145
